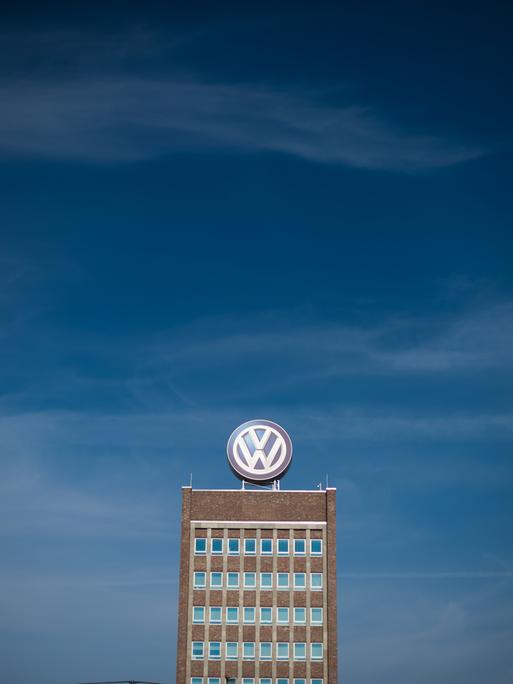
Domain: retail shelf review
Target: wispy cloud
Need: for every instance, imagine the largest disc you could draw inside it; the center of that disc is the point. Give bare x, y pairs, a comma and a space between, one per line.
122, 119
83, 102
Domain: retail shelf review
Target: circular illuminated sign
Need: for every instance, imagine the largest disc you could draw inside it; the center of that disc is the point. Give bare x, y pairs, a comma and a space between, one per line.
259, 451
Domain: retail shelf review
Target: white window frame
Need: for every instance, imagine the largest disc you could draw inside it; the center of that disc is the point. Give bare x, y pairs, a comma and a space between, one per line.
196, 680
266, 553
247, 644
284, 644
200, 553
198, 622
316, 622
299, 622
300, 553
216, 586
230, 552
265, 680
250, 553
296, 586
216, 539
248, 680
317, 681
270, 645
232, 586
232, 622
297, 644
211, 680
315, 553
266, 622
282, 622
285, 541
316, 574
266, 587
210, 656
316, 643
215, 622
248, 622
198, 657
196, 585
250, 586
278, 586
232, 657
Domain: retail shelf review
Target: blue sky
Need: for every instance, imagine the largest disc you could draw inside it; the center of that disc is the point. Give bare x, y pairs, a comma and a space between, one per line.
216, 213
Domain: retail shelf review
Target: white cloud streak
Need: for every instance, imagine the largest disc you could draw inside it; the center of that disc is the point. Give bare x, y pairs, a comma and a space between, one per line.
123, 119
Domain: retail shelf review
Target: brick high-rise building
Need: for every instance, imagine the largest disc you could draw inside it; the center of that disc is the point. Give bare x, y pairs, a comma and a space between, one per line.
257, 601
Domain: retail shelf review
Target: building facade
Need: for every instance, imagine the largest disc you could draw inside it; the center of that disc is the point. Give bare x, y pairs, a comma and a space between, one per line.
257, 594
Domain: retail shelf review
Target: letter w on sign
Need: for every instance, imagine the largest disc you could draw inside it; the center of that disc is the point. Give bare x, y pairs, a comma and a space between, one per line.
259, 445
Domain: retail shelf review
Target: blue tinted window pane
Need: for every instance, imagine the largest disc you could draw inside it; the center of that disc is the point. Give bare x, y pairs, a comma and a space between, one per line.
233, 579
283, 547
299, 615
266, 615
266, 580
233, 547
231, 650
200, 545
250, 546
216, 579
217, 546
266, 546
199, 580
232, 615
299, 547
316, 549
265, 650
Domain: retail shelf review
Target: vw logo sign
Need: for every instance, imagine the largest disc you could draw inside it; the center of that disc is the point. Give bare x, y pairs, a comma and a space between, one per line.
259, 451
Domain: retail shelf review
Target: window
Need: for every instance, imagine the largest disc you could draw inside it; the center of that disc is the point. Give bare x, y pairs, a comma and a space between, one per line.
299, 547
250, 547
200, 545
316, 548
249, 616
265, 650
316, 681
248, 680
215, 615
265, 680
283, 616
232, 615
299, 681
299, 651
232, 650
283, 547
216, 580
266, 616
299, 616
217, 547
196, 680
316, 651
197, 650
316, 616
199, 580
283, 580
299, 580
233, 580
214, 650
248, 650
282, 681
282, 650
266, 580
266, 547
316, 581
233, 547
249, 580
198, 614
214, 680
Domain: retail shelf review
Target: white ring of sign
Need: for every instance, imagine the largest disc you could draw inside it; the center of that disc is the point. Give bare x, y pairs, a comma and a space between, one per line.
259, 450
